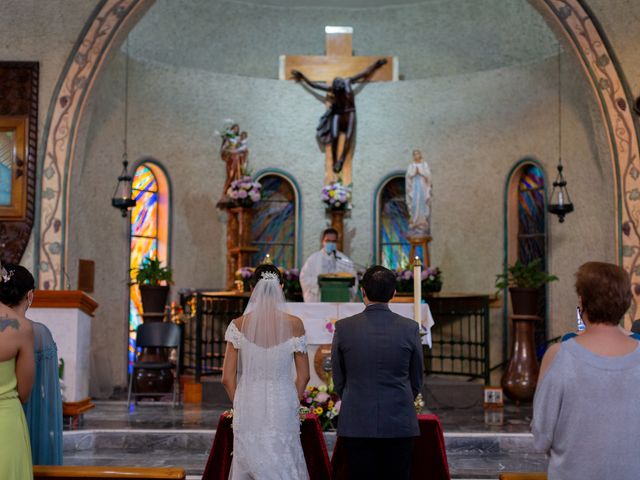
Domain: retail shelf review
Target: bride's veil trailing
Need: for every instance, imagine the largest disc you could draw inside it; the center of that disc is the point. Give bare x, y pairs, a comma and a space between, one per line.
266, 328
265, 321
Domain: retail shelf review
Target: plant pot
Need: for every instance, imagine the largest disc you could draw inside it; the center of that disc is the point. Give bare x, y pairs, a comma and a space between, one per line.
154, 298
524, 301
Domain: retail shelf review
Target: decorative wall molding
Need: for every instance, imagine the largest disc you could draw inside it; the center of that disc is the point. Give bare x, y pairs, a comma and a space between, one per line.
71, 94
598, 61
113, 17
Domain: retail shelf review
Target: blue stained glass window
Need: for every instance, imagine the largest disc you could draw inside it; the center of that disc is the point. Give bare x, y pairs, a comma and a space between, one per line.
394, 223
274, 222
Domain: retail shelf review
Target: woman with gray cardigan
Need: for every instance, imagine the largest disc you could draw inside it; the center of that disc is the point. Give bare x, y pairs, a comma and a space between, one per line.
585, 411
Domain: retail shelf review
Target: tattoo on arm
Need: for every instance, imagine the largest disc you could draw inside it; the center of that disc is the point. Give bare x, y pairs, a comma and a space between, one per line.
9, 322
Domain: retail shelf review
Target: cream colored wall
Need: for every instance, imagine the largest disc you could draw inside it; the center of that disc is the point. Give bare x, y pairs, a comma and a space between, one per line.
471, 126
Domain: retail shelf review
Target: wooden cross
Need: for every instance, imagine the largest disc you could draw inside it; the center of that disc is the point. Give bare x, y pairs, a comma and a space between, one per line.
337, 62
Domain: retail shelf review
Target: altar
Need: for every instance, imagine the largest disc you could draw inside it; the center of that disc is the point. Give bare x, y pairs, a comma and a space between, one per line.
319, 322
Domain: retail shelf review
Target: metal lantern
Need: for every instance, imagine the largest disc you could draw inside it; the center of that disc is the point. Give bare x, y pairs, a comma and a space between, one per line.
559, 201
122, 195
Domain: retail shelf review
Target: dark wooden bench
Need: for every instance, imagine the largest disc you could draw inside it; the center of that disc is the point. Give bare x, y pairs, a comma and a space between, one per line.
64, 472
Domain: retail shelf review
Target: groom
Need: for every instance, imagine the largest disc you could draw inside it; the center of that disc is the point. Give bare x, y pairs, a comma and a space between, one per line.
377, 366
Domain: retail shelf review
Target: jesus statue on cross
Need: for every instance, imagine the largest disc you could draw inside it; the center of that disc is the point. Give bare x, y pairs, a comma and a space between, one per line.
340, 117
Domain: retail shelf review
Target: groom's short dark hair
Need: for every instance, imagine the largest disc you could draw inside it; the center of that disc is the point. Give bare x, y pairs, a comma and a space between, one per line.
379, 284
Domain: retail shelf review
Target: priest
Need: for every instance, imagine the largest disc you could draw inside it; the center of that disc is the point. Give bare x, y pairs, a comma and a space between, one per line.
326, 260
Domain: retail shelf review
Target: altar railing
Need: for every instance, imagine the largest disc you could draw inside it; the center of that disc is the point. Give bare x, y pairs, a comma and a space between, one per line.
460, 336
209, 315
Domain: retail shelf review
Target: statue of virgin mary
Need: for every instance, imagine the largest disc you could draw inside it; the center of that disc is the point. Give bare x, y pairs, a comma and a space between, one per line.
418, 196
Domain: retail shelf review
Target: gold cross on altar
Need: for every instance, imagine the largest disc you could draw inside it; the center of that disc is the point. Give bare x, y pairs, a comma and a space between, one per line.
337, 62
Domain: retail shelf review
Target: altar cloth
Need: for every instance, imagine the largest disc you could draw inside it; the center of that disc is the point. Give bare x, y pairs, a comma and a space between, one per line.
319, 318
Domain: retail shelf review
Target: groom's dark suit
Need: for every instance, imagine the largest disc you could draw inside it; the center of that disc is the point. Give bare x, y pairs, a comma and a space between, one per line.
377, 368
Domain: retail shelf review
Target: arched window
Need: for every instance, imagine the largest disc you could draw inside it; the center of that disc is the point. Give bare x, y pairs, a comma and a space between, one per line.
149, 232
275, 221
393, 221
527, 232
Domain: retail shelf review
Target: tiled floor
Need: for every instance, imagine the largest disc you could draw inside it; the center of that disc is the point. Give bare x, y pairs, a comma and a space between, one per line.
155, 434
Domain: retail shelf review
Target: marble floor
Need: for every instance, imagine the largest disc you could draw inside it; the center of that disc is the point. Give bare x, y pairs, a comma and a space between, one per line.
480, 444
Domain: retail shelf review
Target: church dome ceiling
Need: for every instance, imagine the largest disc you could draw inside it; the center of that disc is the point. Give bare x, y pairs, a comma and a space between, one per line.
431, 38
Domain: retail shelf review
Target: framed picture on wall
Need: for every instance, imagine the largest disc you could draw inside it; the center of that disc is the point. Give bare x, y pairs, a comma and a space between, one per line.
13, 167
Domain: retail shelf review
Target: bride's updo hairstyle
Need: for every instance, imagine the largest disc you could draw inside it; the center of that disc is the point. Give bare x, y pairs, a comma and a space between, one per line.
264, 269
15, 284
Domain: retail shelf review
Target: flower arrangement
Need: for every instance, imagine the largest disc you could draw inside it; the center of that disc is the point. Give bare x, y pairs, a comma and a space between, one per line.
323, 402
243, 277
336, 196
431, 279
292, 287
245, 192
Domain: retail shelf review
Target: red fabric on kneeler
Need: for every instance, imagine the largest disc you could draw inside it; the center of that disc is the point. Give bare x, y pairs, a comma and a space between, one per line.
429, 454
313, 445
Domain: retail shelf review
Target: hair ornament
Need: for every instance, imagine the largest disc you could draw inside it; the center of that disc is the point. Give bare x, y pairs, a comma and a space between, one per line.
268, 276
4, 274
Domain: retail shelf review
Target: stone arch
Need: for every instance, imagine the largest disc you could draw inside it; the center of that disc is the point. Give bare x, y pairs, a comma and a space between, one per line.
113, 19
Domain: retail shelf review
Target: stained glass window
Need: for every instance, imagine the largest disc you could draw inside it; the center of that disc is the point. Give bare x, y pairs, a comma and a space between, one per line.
394, 223
532, 233
145, 238
531, 209
274, 222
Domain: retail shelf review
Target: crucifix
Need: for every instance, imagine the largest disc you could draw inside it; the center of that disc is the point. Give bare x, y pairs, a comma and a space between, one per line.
334, 73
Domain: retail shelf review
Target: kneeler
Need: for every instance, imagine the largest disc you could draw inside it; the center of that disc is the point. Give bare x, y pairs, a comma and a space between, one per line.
429, 454
313, 446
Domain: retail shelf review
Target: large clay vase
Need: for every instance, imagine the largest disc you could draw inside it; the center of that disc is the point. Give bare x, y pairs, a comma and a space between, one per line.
520, 378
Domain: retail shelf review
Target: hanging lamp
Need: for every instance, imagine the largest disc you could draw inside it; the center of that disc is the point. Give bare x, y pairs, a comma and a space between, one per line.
122, 198
559, 200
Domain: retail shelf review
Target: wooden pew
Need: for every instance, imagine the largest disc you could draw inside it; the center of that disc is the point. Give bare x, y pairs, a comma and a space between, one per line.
64, 472
523, 476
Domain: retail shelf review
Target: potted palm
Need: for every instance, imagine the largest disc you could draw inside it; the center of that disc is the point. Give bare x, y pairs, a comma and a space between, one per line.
524, 282
153, 280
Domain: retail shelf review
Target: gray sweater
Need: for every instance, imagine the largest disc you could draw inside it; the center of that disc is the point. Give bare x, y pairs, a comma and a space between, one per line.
586, 415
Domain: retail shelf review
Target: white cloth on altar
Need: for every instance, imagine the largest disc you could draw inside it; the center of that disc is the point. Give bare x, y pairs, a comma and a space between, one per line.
321, 263
319, 318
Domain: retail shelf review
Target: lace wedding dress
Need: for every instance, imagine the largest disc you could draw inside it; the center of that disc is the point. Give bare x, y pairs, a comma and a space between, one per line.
266, 424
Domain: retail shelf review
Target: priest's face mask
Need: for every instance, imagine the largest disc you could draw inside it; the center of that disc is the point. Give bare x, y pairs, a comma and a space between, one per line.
329, 243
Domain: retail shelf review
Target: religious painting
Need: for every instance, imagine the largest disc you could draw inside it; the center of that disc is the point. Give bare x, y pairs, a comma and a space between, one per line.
274, 222
394, 225
18, 136
13, 151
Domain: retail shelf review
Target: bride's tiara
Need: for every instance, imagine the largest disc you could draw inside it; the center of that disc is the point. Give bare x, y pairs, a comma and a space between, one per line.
268, 276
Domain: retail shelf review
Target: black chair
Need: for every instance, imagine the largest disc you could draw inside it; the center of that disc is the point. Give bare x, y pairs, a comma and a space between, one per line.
161, 335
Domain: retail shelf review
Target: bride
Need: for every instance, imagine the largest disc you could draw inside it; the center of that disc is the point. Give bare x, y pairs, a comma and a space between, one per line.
263, 347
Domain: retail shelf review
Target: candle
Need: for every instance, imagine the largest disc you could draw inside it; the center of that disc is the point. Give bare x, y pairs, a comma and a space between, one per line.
417, 290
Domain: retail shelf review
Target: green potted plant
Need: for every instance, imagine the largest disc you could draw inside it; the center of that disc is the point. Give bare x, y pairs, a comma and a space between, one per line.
524, 282
153, 280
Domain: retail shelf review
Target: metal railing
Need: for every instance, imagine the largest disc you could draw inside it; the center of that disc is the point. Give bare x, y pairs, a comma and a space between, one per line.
203, 337
460, 337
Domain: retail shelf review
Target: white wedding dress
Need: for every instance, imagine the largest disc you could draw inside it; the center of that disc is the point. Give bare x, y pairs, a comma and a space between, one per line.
266, 424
